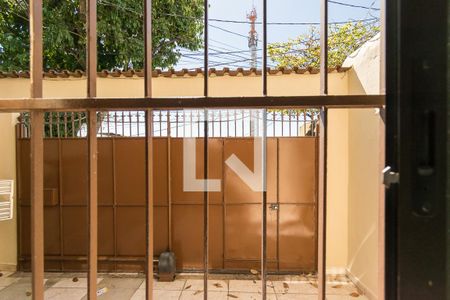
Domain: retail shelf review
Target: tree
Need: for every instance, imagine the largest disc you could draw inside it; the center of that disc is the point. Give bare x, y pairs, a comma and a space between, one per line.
304, 51
176, 23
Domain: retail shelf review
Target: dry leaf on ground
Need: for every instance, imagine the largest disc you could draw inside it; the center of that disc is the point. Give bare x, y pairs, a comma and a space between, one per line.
197, 292
355, 294
338, 286
254, 272
188, 287
285, 285
75, 279
232, 296
217, 285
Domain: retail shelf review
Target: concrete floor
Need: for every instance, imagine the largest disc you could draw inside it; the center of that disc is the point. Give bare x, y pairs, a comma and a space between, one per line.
72, 286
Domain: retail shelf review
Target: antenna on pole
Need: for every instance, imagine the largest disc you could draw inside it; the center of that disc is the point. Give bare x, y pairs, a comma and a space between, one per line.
253, 37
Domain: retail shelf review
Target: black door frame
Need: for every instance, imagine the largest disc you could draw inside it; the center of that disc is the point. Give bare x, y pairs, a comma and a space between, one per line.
416, 149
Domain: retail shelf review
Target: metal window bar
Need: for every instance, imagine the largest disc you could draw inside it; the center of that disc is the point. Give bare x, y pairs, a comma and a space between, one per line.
36, 105
205, 153
302, 122
322, 201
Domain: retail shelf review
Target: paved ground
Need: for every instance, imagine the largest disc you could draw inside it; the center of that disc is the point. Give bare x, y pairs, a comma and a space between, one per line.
65, 286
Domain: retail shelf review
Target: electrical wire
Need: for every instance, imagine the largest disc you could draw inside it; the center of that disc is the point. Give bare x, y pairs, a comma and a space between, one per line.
353, 5
247, 22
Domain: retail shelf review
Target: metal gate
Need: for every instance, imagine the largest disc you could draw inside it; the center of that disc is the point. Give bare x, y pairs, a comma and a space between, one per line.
235, 212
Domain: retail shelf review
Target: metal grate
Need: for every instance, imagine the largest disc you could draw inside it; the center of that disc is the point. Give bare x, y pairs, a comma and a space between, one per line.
178, 123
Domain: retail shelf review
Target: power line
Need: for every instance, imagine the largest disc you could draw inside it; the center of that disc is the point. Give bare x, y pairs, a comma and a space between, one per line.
224, 44
247, 22
228, 31
352, 5
292, 23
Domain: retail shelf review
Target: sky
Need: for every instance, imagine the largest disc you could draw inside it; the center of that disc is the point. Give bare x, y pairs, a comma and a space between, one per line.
232, 37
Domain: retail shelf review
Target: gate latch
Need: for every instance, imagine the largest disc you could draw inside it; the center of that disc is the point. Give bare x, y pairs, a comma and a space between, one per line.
390, 177
274, 206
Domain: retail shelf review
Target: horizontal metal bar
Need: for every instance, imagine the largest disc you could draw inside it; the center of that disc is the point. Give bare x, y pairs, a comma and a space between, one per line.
85, 258
78, 104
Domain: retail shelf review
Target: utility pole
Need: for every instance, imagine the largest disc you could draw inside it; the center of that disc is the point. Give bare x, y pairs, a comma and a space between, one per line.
253, 37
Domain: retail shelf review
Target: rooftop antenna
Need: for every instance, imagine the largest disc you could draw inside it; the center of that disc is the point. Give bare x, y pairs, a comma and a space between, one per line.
253, 37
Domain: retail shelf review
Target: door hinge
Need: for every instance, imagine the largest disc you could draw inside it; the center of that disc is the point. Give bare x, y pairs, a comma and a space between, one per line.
390, 177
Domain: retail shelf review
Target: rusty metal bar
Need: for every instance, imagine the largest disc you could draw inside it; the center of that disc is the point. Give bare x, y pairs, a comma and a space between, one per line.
324, 47
382, 47
37, 205
91, 27
92, 205
205, 154
37, 153
148, 69
321, 268
205, 208
264, 161
169, 183
149, 207
322, 204
329, 101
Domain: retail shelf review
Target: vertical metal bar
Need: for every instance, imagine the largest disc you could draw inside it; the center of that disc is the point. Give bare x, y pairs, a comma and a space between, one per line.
108, 116
115, 123
243, 121
383, 48
264, 67
92, 205
205, 155
205, 208
50, 124
123, 123
235, 123
184, 123
58, 126
65, 124
323, 151
72, 116
138, 116
264, 209
37, 204
382, 159
264, 194
169, 183
274, 123
148, 70
91, 27
190, 121
131, 122
37, 153
176, 122
149, 196
322, 204
324, 47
